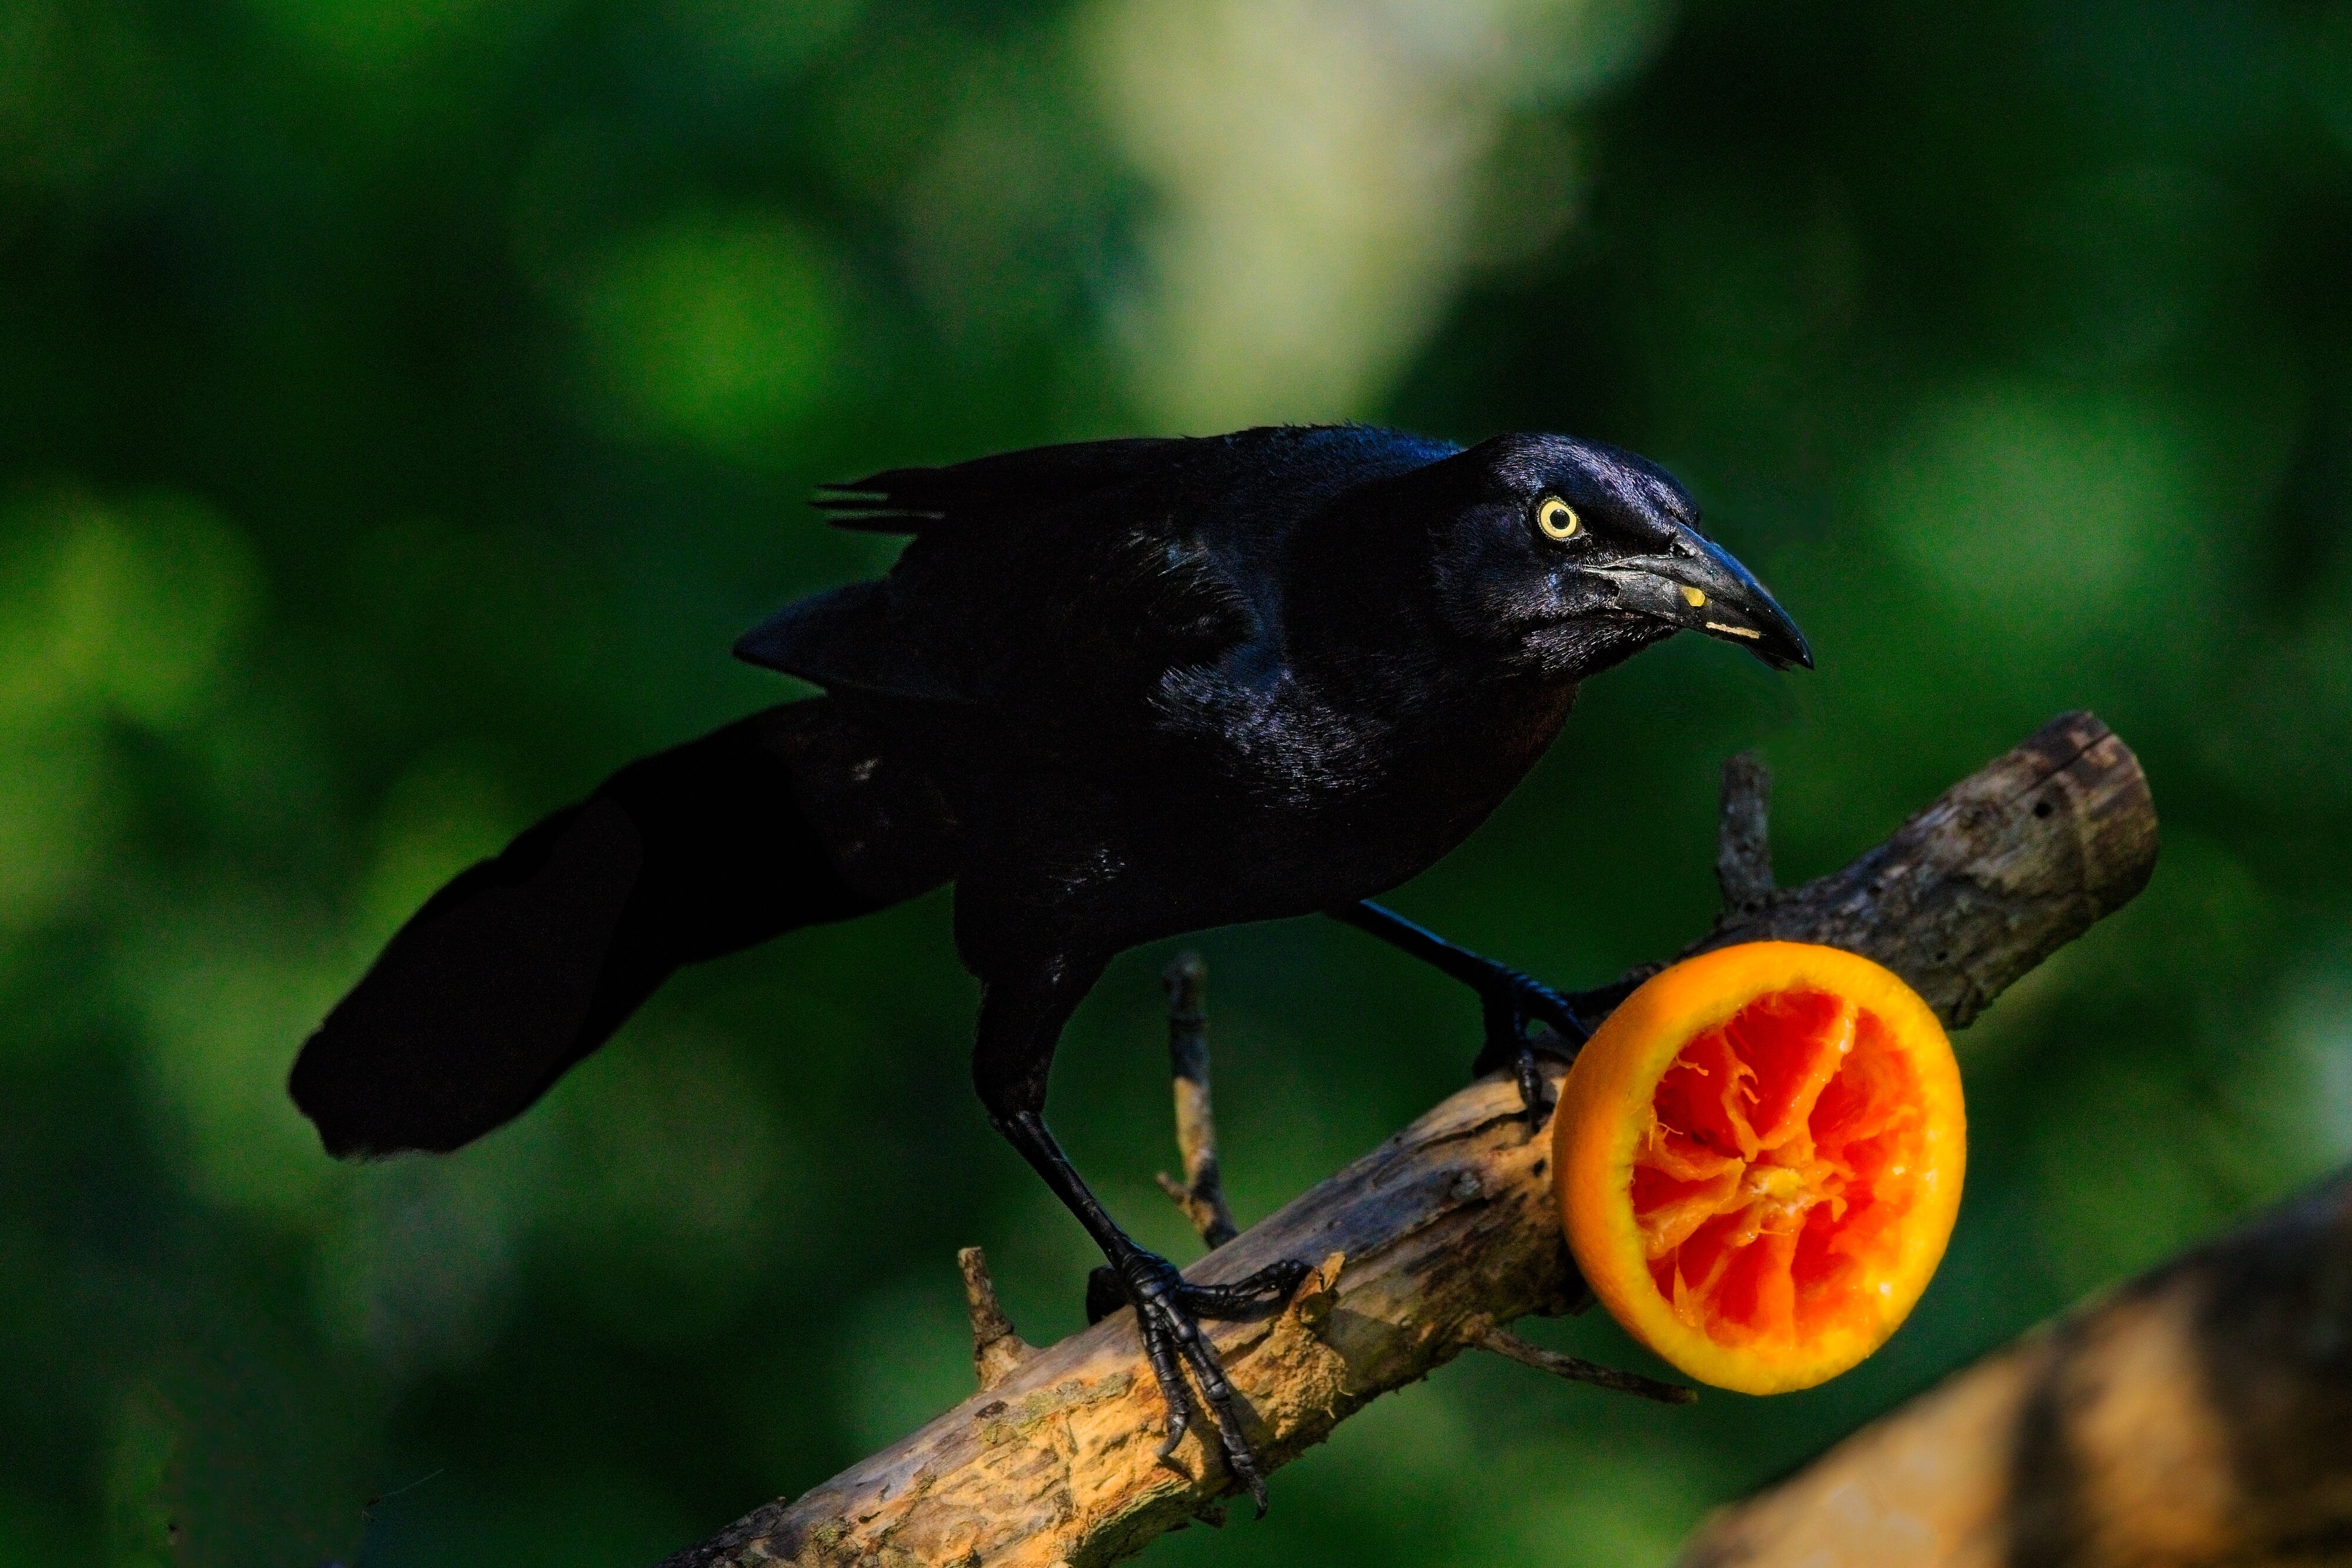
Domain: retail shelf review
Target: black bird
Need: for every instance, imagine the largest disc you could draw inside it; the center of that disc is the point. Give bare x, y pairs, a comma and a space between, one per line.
1115, 692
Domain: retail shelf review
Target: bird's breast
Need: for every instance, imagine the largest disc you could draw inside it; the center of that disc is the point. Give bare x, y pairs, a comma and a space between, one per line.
1463, 764
1337, 800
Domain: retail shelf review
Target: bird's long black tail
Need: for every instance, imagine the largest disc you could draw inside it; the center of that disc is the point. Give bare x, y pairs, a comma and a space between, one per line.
525, 963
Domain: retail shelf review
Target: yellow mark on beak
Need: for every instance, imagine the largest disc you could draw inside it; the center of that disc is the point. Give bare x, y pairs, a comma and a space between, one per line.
1694, 597
1732, 630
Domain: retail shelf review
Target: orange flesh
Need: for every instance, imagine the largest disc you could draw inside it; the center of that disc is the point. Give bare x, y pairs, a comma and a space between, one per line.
1784, 1147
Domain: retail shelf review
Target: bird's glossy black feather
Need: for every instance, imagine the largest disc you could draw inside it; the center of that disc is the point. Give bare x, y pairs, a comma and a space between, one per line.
1079, 573
528, 961
843, 639
1009, 485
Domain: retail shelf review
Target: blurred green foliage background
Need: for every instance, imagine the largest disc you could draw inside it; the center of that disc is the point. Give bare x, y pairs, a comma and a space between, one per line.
403, 403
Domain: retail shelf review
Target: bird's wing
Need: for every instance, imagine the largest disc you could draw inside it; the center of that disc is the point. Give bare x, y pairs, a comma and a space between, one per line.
1074, 560
961, 623
1070, 573
845, 640
1006, 488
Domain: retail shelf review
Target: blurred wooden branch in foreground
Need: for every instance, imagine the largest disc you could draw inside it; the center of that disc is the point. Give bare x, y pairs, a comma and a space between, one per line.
2202, 1415
1447, 1231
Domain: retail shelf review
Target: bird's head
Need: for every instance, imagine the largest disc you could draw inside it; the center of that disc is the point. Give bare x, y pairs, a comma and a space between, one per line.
1568, 556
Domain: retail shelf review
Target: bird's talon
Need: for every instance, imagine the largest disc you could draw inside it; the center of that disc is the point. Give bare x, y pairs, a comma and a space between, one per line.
1524, 1017
1166, 1306
1271, 1285
1178, 1425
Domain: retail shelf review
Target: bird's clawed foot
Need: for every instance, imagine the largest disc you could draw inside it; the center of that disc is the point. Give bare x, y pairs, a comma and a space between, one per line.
1168, 1310
1514, 1004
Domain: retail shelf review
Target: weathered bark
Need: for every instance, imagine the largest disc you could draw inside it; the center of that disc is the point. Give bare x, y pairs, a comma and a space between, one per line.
2008, 866
1448, 1229
2202, 1415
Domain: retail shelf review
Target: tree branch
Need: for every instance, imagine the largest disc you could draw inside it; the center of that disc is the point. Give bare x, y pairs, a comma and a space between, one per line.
1482, 1333
996, 1349
1743, 845
1201, 1194
2202, 1413
1448, 1229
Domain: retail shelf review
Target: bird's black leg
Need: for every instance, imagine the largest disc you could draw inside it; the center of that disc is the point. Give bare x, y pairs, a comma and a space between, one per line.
1511, 1003
1021, 1019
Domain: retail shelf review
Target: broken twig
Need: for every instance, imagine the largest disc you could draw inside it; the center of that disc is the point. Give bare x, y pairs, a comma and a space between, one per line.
1486, 1335
1201, 1194
996, 1349
1743, 847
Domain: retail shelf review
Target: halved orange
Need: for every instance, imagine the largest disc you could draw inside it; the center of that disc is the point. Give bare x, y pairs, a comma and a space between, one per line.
1759, 1158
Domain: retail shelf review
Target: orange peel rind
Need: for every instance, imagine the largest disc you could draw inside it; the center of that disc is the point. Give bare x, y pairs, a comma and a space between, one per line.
1759, 1158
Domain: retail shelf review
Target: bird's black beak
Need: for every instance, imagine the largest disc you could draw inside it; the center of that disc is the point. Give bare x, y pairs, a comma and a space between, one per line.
1697, 584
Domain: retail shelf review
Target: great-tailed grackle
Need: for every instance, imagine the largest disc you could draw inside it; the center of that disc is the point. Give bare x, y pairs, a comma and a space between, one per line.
1115, 692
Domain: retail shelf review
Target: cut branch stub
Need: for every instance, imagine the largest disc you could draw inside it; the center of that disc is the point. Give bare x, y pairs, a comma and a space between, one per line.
1201, 1193
1743, 848
996, 1349
1450, 1221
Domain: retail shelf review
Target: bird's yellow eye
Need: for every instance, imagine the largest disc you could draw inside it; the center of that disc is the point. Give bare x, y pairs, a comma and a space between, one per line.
1558, 519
